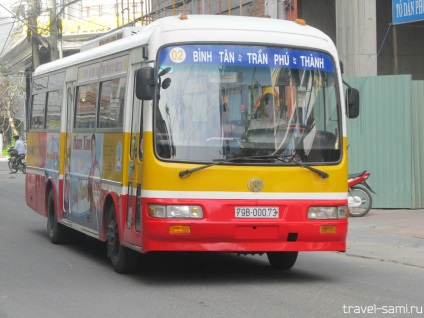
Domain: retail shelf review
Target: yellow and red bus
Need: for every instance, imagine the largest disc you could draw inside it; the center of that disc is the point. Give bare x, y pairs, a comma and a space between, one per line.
198, 133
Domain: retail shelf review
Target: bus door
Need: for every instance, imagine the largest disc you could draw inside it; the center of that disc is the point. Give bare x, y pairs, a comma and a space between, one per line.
68, 147
132, 230
82, 174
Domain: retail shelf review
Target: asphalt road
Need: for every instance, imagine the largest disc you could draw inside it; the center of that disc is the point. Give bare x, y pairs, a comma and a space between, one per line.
39, 279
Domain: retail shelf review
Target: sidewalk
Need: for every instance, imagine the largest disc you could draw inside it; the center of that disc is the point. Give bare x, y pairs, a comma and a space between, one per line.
388, 235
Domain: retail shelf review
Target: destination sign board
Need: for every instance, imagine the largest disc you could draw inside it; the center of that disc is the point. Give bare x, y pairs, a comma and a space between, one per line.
246, 56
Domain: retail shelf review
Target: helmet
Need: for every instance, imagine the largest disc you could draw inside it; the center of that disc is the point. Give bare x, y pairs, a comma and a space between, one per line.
16, 137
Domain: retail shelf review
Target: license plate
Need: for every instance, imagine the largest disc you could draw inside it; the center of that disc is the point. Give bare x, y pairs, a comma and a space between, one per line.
256, 212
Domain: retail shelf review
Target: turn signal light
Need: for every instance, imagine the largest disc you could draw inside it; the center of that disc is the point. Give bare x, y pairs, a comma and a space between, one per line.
328, 229
179, 229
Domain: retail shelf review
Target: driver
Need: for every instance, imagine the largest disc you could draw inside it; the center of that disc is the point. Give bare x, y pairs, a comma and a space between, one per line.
19, 145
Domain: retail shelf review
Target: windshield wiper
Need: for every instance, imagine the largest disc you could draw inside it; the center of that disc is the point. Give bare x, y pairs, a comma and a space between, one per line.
187, 172
321, 173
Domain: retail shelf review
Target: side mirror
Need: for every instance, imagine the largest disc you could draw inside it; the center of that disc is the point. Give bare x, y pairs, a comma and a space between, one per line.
145, 83
352, 102
166, 83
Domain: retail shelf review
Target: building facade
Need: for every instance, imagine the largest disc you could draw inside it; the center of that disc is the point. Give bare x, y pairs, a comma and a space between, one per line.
63, 26
367, 41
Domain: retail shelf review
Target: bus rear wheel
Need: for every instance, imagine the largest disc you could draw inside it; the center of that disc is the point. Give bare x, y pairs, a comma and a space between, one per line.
282, 260
57, 232
124, 260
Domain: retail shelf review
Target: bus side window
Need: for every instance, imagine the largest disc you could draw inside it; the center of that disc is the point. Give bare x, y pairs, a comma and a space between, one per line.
38, 108
112, 101
54, 106
85, 115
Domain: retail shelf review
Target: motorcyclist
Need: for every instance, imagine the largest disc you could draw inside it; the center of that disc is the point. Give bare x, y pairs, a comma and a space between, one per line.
17, 156
18, 151
19, 146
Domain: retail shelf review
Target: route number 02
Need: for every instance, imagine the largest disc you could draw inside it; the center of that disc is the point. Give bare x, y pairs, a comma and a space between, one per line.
177, 55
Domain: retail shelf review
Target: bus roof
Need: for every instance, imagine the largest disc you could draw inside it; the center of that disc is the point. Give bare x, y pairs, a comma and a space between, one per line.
193, 23
233, 23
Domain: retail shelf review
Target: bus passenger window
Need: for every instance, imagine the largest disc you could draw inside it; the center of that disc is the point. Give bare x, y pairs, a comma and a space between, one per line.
54, 105
38, 106
112, 101
86, 106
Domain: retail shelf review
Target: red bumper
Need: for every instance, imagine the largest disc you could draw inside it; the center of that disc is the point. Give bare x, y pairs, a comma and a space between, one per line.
219, 230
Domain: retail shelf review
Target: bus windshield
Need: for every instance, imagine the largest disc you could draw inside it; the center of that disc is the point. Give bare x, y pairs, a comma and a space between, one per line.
228, 102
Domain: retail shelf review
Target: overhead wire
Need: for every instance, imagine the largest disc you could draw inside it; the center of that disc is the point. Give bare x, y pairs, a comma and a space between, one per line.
88, 21
74, 6
7, 38
376, 57
10, 31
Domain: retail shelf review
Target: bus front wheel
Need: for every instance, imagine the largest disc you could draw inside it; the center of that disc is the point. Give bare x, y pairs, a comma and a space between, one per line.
123, 259
282, 260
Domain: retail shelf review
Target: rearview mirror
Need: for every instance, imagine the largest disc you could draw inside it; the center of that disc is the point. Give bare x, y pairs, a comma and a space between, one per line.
352, 102
145, 83
166, 83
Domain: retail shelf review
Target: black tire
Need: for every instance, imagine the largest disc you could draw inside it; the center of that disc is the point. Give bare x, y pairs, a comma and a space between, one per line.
282, 260
12, 167
366, 199
58, 233
23, 168
124, 260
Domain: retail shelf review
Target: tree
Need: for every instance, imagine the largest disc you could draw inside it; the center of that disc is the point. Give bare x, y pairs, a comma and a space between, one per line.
12, 86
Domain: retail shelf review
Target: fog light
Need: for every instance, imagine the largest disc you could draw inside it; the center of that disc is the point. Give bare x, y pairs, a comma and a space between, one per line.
179, 229
328, 229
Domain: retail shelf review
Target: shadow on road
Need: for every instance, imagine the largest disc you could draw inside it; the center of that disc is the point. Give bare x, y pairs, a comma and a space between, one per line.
176, 268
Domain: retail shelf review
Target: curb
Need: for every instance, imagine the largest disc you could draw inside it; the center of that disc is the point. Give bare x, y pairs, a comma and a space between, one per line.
395, 236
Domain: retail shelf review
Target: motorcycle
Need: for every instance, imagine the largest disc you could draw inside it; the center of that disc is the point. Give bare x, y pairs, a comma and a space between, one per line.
16, 162
359, 196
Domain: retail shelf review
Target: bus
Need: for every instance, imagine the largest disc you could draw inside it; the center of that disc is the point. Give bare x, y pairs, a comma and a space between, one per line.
196, 134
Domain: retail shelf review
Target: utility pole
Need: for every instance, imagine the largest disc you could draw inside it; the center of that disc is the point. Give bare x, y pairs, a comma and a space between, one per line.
54, 52
395, 52
117, 14
33, 32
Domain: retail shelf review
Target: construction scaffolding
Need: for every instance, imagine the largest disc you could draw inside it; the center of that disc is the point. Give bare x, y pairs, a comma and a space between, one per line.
155, 9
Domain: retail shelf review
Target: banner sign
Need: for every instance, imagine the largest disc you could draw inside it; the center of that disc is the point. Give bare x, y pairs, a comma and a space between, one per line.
405, 11
246, 56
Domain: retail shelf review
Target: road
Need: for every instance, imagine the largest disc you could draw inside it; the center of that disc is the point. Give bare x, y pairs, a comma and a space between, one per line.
39, 279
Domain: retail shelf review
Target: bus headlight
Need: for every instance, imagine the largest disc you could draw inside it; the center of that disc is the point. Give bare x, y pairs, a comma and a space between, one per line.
175, 211
327, 212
